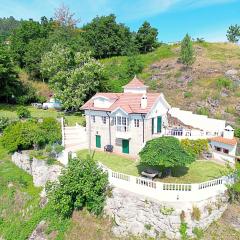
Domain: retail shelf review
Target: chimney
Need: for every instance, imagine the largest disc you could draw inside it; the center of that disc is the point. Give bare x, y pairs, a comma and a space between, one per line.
228, 132
144, 101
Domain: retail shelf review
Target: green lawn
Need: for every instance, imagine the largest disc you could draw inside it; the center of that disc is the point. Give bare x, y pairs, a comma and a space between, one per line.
9, 111
198, 171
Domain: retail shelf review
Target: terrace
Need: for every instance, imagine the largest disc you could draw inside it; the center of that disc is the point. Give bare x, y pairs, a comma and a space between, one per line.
199, 171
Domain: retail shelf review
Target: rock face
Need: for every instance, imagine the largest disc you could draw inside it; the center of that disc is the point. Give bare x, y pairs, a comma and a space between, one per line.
136, 215
38, 233
39, 169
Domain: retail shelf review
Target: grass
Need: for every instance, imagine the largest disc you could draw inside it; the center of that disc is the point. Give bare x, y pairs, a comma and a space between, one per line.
19, 208
199, 171
10, 111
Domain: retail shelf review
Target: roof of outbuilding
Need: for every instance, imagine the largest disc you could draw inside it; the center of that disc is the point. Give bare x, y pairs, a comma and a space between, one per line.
129, 102
227, 141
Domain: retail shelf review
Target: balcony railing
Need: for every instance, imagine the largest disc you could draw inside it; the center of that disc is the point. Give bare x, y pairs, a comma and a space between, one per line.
122, 128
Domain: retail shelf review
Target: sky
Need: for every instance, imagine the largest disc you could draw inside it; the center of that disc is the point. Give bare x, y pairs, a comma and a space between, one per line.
208, 19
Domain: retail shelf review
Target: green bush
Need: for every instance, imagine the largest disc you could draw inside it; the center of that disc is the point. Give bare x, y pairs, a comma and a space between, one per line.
198, 232
82, 184
165, 152
237, 132
24, 135
203, 111
224, 83
196, 213
4, 122
195, 147
23, 112
183, 231
187, 95
52, 129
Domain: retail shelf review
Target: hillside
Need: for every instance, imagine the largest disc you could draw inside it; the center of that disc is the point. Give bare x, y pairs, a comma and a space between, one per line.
210, 87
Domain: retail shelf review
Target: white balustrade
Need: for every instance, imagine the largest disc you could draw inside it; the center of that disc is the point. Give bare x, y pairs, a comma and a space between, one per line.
170, 192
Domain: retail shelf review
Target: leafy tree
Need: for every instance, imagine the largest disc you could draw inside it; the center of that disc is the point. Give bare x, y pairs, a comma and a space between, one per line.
233, 33
82, 184
28, 30
187, 53
107, 37
9, 84
195, 147
165, 152
74, 77
7, 25
146, 38
64, 17
52, 129
32, 57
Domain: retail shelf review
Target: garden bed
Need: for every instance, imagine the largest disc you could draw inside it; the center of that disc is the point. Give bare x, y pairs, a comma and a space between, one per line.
199, 171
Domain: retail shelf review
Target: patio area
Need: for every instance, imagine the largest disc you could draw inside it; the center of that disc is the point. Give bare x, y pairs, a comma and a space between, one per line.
199, 171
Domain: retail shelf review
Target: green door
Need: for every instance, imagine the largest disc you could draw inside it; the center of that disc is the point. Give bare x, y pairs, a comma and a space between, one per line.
98, 141
125, 146
159, 124
152, 125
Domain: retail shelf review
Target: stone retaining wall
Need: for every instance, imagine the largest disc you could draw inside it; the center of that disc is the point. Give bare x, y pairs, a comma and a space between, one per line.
137, 215
39, 169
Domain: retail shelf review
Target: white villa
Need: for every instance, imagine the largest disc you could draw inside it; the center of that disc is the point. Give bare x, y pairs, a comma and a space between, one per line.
127, 120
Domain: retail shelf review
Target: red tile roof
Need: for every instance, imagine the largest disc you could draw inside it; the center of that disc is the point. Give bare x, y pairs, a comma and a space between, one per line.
227, 141
129, 102
135, 83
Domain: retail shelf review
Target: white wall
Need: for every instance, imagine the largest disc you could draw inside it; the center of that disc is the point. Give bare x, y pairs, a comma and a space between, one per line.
168, 192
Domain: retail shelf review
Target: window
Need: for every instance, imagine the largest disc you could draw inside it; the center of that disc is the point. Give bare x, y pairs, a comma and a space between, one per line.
218, 149
225, 150
93, 119
104, 120
136, 122
114, 121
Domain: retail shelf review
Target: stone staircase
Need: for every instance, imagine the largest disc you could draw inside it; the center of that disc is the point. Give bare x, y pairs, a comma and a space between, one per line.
75, 138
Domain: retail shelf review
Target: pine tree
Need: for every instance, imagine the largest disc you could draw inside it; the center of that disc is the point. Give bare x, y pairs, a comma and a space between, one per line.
187, 52
233, 33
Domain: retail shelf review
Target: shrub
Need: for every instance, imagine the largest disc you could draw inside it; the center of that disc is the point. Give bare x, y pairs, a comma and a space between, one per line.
52, 129
183, 231
166, 211
82, 184
198, 232
58, 149
196, 213
223, 82
182, 216
195, 147
23, 112
19, 136
51, 161
237, 132
203, 111
24, 135
187, 95
4, 122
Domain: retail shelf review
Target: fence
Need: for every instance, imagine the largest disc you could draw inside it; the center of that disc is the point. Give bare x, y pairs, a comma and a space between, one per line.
168, 192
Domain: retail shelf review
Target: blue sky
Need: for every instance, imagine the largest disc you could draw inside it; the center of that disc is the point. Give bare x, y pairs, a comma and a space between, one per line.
173, 18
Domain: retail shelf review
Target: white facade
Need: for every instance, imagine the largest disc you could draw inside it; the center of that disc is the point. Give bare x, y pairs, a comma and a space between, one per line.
113, 122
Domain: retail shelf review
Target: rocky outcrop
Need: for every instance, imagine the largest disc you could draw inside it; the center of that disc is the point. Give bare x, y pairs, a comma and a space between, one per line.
39, 169
135, 215
39, 232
